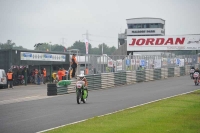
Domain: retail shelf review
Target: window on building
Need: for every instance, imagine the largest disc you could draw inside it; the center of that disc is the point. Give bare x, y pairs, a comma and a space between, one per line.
144, 26
139, 26
155, 25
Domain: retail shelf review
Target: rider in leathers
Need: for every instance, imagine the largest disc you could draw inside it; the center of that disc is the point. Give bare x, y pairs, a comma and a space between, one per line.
83, 78
197, 70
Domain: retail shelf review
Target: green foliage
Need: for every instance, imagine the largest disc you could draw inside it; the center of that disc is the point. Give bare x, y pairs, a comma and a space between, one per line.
77, 45
50, 47
10, 45
81, 46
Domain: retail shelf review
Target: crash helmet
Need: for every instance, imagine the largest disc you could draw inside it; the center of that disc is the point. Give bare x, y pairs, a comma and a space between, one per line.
81, 76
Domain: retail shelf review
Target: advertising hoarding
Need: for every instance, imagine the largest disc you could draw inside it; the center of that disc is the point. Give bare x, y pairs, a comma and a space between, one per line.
119, 65
42, 56
154, 43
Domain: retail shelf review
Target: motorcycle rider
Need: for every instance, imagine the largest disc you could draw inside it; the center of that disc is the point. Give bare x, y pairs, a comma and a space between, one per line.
197, 70
192, 69
83, 78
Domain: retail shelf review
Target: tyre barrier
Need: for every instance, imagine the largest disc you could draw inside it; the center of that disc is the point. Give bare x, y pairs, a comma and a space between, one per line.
107, 80
53, 89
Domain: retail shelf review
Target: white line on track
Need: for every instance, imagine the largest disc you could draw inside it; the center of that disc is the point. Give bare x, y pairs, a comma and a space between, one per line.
117, 111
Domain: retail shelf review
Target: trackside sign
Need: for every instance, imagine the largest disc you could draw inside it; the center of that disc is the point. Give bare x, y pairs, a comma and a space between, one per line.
153, 43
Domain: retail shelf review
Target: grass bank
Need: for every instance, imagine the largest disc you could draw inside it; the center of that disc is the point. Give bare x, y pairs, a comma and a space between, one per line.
179, 114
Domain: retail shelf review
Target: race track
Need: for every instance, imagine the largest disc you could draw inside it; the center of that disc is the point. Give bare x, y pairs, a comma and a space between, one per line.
41, 114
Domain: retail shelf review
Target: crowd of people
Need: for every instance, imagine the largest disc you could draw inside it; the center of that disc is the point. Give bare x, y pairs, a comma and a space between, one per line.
39, 76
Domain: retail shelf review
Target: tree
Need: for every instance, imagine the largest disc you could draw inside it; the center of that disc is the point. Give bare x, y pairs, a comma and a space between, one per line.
81, 47
49, 47
10, 45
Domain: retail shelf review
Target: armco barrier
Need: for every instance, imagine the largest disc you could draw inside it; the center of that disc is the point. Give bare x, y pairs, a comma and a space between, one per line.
107, 80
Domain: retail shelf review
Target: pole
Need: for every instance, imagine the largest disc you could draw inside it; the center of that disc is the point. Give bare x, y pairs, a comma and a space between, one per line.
102, 48
25, 76
50, 74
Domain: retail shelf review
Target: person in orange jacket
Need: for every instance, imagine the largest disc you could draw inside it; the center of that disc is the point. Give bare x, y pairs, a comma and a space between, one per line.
10, 78
44, 75
63, 74
60, 74
86, 71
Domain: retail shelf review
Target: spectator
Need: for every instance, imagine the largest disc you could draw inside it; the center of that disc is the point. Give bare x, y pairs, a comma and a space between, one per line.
113, 68
63, 73
38, 77
10, 78
59, 74
86, 71
44, 76
73, 65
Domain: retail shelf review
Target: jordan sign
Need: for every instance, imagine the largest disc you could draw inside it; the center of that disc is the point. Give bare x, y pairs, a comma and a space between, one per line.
154, 43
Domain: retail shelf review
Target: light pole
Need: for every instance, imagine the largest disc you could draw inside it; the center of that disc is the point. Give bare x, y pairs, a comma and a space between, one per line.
50, 45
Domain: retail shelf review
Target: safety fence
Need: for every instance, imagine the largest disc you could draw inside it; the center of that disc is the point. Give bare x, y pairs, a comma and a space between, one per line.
97, 64
107, 80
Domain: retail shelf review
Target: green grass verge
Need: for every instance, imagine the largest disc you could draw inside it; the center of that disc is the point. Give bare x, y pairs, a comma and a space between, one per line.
179, 114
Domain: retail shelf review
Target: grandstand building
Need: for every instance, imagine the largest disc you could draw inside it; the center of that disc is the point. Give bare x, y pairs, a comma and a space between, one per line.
139, 27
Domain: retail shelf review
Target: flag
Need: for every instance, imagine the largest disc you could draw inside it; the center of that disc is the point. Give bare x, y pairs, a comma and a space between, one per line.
86, 46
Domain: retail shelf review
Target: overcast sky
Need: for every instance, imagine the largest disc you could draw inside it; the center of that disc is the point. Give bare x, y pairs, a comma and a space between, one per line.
27, 22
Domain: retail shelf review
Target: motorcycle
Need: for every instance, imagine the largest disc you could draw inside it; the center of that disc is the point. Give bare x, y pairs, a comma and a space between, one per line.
196, 78
191, 73
81, 92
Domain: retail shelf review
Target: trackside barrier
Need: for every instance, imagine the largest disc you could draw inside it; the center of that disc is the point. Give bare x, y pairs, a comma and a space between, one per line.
157, 74
182, 71
170, 72
187, 69
147, 75
130, 77
107, 80
164, 73
177, 71
140, 76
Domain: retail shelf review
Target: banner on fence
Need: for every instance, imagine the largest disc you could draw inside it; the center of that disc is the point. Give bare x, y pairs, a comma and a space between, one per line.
110, 63
157, 63
42, 57
142, 62
128, 62
164, 61
181, 63
119, 65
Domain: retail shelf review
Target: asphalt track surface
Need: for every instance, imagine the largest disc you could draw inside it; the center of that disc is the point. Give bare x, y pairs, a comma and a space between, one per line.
37, 115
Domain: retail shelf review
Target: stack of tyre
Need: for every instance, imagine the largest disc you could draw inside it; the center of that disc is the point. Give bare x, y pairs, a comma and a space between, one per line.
51, 89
